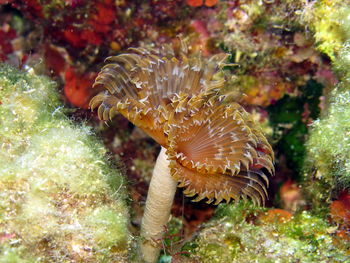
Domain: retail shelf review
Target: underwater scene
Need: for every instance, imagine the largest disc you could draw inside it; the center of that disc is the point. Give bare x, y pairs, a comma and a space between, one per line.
183, 131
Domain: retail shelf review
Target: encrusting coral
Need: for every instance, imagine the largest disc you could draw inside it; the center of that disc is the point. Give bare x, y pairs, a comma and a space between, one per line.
60, 200
211, 148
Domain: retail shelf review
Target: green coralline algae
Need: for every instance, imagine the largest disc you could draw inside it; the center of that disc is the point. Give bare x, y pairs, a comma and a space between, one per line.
239, 233
60, 200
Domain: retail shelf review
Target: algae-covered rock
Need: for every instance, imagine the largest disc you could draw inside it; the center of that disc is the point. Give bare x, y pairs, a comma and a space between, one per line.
60, 199
330, 21
242, 233
327, 168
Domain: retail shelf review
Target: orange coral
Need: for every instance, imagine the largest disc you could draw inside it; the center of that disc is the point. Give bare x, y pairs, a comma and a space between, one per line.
196, 3
77, 88
276, 215
340, 209
100, 25
215, 149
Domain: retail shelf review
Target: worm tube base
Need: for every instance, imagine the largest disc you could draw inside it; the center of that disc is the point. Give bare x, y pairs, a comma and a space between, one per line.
157, 211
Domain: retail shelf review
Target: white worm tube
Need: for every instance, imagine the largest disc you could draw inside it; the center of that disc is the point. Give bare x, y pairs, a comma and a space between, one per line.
157, 211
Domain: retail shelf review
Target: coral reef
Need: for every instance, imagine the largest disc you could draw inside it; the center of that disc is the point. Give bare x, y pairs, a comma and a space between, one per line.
246, 234
276, 65
290, 59
212, 149
243, 233
60, 199
272, 55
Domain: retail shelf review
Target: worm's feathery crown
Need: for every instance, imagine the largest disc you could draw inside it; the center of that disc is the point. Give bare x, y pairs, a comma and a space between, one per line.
215, 150
218, 153
144, 85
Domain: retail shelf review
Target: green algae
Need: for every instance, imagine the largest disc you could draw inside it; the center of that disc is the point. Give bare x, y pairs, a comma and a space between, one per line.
60, 199
328, 147
330, 22
290, 130
238, 233
327, 167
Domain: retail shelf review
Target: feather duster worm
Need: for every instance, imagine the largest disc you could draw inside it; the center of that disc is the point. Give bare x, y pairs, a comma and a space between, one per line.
146, 86
217, 153
212, 149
